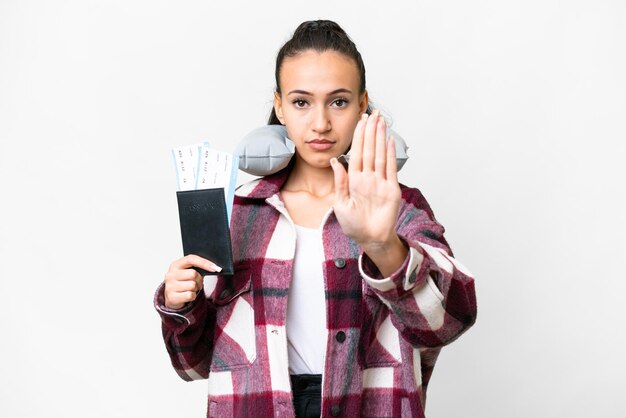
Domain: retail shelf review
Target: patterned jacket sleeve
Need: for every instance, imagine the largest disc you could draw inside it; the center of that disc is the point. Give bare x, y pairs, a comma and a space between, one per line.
431, 296
188, 335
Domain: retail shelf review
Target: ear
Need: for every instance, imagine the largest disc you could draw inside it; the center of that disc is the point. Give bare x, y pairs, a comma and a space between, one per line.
278, 107
363, 101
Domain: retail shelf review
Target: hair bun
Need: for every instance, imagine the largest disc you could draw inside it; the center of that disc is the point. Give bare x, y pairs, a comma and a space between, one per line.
319, 25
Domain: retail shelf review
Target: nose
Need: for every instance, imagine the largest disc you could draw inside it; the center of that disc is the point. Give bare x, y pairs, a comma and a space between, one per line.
321, 121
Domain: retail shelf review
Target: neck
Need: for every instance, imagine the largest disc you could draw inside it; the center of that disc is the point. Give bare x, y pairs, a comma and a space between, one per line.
318, 181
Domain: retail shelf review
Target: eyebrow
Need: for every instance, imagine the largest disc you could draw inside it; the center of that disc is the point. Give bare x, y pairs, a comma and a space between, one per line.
304, 92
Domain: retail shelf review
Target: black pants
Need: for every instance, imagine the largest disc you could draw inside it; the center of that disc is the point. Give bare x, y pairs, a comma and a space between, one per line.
307, 395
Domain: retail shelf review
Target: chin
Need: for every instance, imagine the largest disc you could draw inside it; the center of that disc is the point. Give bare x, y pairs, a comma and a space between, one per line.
323, 163
318, 161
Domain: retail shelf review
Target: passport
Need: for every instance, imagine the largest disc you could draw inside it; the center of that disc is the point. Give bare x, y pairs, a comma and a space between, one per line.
204, 227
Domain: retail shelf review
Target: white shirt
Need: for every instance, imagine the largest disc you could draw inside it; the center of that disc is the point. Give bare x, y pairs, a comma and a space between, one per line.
306, 307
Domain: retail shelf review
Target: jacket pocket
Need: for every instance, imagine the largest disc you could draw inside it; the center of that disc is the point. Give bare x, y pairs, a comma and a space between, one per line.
234, 341
381, 345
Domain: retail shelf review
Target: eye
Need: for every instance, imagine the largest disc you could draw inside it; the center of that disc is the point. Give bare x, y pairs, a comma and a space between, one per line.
300, 103
340, 103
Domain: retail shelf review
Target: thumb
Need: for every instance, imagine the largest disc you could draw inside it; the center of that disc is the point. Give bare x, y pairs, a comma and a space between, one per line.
341, 181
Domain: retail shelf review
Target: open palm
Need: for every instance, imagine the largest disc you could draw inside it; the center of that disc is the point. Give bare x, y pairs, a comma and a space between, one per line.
367, 196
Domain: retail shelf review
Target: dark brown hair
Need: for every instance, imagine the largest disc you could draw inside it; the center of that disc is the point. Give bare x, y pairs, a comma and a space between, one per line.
320, 36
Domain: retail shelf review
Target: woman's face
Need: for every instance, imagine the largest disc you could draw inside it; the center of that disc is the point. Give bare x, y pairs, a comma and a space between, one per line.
320, 104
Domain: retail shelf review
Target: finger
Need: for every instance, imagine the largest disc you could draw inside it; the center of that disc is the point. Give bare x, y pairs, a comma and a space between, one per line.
199, 282
369, 141
392, 163
184, 286
177, 300
188, 275
193, 260
356, 149
380, 162
341, 181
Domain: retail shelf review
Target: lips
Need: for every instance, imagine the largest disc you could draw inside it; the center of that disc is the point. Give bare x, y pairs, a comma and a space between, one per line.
321, 141
320, 144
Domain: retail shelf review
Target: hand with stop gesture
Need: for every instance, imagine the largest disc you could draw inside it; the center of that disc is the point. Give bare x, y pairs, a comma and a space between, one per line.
367, 196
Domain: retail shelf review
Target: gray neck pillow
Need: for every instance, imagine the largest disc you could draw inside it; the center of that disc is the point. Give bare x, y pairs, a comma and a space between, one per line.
267, 150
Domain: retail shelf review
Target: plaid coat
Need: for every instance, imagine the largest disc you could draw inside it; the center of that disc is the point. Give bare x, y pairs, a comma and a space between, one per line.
384, 334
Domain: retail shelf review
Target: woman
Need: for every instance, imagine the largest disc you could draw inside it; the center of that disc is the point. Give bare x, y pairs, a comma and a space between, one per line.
344, 288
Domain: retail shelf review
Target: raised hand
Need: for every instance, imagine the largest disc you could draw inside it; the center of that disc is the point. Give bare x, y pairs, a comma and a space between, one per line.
367, 196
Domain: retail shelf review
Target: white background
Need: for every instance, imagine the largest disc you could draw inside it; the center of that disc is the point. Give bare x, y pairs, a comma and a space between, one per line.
515, 115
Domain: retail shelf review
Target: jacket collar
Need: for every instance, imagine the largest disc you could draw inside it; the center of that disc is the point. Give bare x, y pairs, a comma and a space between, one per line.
265, 187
